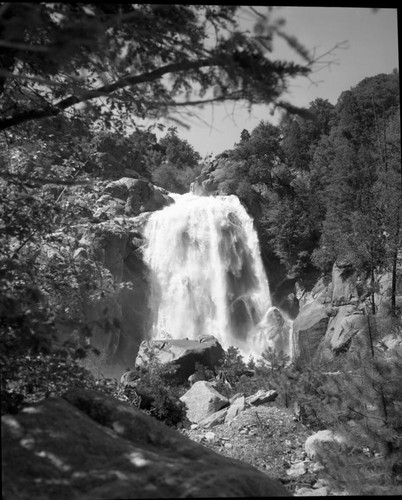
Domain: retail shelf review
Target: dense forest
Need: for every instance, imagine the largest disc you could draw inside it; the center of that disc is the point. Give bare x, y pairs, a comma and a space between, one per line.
323, 187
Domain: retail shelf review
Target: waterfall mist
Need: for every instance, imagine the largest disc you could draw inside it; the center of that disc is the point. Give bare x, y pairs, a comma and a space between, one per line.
207, 276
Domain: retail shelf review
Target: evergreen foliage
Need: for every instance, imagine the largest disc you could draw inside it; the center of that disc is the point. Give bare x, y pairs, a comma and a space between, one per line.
124, 62
362, 401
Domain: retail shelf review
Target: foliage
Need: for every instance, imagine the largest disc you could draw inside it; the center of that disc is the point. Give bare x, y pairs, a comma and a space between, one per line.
327, 188
364, 404
32, 377
44, 280
356, 181
281, 374
175, 163
123, 62
157, 393
202, 372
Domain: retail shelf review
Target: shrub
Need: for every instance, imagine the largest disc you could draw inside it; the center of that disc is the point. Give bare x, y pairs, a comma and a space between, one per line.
157, 393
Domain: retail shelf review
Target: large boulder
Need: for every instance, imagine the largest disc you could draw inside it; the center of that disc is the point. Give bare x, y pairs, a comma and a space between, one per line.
90, 445
182, 352
202, 400
343, 301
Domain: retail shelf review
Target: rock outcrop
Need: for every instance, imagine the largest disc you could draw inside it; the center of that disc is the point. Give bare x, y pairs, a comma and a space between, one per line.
89, 445
261, 397
182, 352
115, 214
137, 195
333, 316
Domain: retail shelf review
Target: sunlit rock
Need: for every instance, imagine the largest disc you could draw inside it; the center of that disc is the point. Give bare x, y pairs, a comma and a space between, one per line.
203, 400
182, 352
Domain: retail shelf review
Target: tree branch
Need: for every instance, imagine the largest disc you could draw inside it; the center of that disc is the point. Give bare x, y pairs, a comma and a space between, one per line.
127, 81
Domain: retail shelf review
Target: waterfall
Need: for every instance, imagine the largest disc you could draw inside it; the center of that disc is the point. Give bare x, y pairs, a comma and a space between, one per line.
207, 276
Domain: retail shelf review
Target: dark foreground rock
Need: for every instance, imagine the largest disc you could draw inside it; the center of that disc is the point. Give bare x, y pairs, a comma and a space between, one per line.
89, 445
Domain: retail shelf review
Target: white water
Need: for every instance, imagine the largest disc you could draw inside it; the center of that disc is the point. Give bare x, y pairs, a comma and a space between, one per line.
207, 276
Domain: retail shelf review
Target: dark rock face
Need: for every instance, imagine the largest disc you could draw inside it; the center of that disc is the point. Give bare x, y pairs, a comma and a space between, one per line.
183, 352
117, 246
89, 445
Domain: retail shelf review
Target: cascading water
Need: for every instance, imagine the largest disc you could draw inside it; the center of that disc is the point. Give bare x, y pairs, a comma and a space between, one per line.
207, 276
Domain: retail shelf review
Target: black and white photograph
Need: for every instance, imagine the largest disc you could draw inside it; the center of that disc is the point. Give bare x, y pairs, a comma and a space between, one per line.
200, 251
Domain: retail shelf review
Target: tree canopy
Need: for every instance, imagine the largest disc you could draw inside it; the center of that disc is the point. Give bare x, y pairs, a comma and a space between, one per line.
129, 61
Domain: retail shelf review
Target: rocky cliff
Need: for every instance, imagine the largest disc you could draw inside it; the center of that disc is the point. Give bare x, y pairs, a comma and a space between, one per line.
111, 231
334, 314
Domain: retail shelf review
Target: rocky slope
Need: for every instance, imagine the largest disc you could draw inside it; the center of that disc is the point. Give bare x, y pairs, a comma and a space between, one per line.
272, 440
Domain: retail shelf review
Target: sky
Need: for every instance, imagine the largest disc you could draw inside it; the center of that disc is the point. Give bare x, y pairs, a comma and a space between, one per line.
367, 45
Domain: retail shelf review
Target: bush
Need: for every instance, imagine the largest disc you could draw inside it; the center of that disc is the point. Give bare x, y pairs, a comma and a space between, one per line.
33, 377
157, 393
